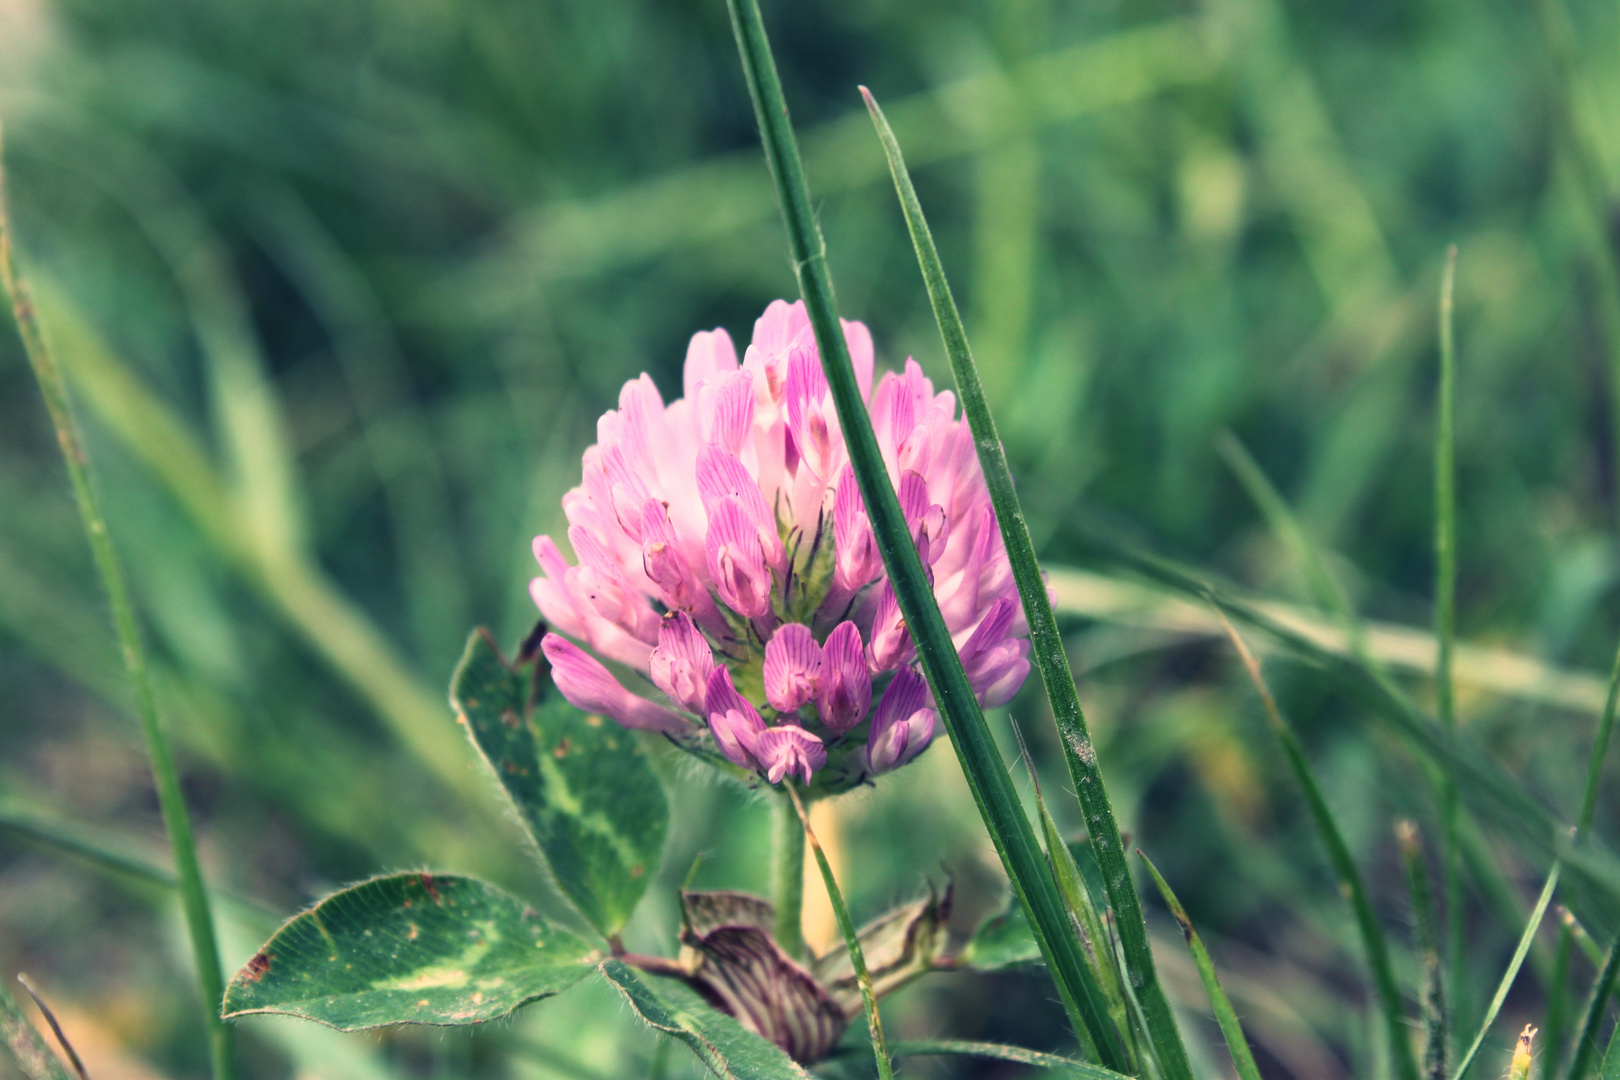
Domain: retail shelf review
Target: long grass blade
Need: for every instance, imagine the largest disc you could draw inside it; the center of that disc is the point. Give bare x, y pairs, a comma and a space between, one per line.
1482, 780
176, 819
1432, 999
1045, 641
852, 939
1597, 1007
986, 772
1084, 1070
1445, 629
56, 1028
1236, 1043
1344, 867
24, 1045
1510, 974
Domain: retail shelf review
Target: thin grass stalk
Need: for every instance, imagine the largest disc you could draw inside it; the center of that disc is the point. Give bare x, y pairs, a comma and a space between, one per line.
1046, 643
1604, 985
1077, 897
1506, 800
1432, 999
176, 819
1510, 974
1344, 867
1597, 1006
1084, 1070
852, 940
982, 765
56, 1028
1445, 629
1237, 1045
25, 1046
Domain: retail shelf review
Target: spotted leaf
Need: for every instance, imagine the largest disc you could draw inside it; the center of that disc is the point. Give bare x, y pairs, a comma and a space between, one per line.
581, 784
409, 949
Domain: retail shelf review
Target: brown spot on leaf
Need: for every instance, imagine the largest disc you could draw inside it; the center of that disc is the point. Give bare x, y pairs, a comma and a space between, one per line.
256, 967
510, 718
593, 720
637, 870
562, 749
426, 881
514, 768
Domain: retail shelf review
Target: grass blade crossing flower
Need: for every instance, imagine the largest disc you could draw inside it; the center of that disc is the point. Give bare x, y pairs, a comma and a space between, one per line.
1049, 652
986, 773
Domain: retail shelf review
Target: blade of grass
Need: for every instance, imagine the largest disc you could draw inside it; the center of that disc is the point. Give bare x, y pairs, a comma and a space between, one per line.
1445, 629
56, 1028
1492, 790
1597, 1007
1436, 1033
1604, 985
1509, 975
1232, 1031
176, 819
1344, 867
985, 771
1046, 643
997, 1052
27, 1049
1077, 897
852, 939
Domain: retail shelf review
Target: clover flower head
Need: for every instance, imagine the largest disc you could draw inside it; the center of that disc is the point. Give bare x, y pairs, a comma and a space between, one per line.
724, 552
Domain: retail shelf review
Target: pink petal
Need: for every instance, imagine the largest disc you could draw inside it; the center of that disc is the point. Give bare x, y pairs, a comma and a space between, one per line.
683, 661
792, 667
736, 562
711, 353
891, 641
726, 410
856, 556
903, 724
590, 686
789, 750
735, 723
845, 690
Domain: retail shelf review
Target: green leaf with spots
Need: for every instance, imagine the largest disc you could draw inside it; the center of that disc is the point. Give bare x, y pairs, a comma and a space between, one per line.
582, 785
730, 1050
409, 949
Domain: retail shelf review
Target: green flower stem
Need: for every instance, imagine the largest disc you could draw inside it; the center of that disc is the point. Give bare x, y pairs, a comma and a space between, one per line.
787, 876
986, 772
193, 896
1045, 640
852, 939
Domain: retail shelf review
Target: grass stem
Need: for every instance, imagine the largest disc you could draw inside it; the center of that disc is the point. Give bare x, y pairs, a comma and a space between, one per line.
852, 939
985, 770
1046, 643
176, 819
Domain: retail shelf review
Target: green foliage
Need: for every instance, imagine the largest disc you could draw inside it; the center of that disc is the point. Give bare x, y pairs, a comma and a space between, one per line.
731, 1051
582, 785
1004, 940
1237, 1044
409, 949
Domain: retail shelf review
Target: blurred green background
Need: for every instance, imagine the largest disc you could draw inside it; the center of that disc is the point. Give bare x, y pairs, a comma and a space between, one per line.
342, 287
